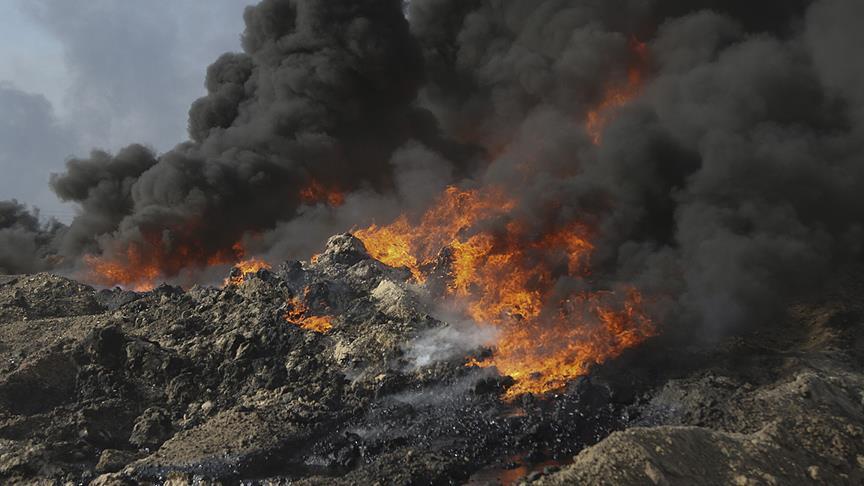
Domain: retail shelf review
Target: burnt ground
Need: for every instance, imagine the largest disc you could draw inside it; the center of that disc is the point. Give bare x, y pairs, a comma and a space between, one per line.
214, 386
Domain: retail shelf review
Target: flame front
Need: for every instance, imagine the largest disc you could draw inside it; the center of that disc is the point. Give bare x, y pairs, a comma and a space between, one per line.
141, 264
402, 244
166, 252
299, 315
244, 268
527, 283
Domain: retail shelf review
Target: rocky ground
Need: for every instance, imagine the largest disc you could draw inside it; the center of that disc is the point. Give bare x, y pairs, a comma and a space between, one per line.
216, 386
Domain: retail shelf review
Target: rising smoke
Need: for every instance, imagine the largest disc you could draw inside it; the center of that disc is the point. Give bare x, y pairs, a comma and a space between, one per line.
322, 94
727, 185
25, 242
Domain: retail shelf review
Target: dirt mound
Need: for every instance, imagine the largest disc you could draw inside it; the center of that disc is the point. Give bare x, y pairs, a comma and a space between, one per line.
309, 374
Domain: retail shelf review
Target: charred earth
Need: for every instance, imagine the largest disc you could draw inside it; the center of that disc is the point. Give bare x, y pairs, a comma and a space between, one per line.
309, 374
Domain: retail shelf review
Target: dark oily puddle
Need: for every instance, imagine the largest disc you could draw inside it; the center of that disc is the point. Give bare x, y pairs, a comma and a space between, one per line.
513, 470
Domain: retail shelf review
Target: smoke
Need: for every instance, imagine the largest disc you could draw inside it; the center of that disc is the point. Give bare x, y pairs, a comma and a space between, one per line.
726, 184
455, 340
724, 189
102, 186
24, 240
33, 142
322, 94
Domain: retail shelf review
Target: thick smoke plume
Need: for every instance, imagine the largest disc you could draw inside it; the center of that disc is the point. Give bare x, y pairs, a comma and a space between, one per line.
321, 97
714, 147
726, 187
25, 242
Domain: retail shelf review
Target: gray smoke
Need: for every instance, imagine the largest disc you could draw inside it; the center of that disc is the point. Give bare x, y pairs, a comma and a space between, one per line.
729, 185
25, 242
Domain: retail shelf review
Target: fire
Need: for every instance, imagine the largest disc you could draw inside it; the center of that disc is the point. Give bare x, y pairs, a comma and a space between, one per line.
316, 193
617, 96
141, 264
133, 274
299, 315
246, 267
402, 244
532, 282
157, 254
543, 355
529, 283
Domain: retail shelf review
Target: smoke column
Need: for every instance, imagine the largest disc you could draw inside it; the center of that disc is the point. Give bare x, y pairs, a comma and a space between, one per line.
725, 187
24, 241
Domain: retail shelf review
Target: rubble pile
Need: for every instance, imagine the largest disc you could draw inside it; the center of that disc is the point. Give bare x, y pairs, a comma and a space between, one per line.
226, 385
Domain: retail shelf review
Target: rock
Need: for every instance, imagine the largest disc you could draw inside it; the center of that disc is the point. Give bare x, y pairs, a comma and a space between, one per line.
112, 480
691, 454
230, 442
112, 460
395, 301
534, 476
151, 429
343, 249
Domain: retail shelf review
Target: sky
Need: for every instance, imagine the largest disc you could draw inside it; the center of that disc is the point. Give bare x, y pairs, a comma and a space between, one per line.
82, 74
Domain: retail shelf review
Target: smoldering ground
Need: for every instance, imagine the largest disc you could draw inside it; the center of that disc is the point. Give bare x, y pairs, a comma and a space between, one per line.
725, 187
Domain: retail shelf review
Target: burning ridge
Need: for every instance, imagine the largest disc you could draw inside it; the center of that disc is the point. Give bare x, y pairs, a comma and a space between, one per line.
517, 283
534, 290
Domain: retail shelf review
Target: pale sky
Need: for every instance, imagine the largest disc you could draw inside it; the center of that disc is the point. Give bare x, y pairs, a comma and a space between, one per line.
79, 74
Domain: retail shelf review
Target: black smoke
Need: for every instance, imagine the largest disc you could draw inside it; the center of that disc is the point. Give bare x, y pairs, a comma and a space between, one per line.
25, 241
322, 94
728, 186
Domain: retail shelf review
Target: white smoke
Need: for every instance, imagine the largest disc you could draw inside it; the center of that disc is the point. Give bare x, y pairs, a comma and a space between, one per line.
456, 339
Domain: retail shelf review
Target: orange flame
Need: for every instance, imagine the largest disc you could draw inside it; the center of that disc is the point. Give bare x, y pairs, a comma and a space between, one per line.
244, 268
316, 193
543, 355
133, 274
515, 279
298, 315
402, 244
142, 264
617, 96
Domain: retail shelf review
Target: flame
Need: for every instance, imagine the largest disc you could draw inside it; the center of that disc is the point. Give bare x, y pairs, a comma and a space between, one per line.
516, 279
133, 274
316, 193
141, 264
402, 244
617, 96
162, 253
531, 283
244, 268
298, 315
586, 331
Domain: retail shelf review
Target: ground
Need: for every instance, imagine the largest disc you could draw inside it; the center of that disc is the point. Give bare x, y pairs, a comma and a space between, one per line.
217, 386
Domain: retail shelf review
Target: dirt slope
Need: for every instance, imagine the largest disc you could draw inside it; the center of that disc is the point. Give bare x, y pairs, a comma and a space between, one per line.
216, 386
